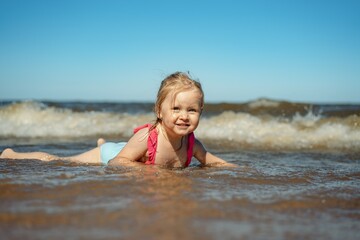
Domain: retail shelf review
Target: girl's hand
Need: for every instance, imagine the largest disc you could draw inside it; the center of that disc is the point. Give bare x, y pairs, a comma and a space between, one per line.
208, 159
222, 164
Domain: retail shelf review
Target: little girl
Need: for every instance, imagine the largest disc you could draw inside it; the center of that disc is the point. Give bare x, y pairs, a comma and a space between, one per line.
169, 142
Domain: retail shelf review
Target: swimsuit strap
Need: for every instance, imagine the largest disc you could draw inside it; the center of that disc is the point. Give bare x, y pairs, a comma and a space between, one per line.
191, 142
152, 144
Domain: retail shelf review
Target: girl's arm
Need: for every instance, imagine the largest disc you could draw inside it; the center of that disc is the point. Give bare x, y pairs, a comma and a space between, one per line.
208, 159
133, 151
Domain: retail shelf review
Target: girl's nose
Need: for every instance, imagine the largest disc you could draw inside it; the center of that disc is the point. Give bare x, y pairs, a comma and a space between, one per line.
184, 115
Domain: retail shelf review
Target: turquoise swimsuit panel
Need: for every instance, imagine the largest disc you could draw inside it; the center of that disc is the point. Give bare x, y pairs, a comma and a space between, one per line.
110, 150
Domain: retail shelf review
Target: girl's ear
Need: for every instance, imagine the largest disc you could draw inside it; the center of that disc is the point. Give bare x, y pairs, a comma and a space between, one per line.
159, 116
157, 112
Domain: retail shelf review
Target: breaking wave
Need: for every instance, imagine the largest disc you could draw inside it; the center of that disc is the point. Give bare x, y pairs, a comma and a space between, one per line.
232, 128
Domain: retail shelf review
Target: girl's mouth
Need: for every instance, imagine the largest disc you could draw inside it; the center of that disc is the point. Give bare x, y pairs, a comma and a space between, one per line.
182, 124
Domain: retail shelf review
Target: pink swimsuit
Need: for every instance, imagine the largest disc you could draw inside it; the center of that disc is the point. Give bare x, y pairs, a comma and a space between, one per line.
152, 144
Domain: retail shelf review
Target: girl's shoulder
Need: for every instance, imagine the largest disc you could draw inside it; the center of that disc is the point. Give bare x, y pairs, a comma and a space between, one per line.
144, 127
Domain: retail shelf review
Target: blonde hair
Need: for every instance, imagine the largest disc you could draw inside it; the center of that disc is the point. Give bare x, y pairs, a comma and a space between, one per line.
175, 83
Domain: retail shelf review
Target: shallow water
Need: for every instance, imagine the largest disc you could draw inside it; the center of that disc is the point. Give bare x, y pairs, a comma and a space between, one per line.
298, 174
271, 195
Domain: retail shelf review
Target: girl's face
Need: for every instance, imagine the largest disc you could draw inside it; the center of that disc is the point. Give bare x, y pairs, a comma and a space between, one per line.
180, 115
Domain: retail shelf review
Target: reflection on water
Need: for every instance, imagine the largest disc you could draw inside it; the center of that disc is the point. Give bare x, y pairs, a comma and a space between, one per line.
270, 196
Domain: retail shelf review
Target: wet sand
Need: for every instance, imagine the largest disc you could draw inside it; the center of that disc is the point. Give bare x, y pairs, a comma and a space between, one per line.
272, 195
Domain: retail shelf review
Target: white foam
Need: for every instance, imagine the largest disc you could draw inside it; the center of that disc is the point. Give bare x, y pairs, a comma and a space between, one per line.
305, 132
33, 119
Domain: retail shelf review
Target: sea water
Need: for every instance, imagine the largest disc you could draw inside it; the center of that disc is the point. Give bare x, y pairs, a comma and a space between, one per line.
298, 174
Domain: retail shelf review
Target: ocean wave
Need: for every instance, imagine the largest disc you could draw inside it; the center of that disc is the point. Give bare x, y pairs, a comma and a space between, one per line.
229, 129
300, 133
33, 119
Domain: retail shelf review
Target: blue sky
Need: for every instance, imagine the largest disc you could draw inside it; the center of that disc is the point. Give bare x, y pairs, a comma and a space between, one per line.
304, 50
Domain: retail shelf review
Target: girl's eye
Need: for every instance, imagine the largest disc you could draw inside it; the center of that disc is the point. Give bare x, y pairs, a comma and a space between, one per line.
192, 110
176, 109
